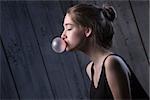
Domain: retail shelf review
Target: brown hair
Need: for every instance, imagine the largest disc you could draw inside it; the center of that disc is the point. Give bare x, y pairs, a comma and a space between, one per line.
98, 19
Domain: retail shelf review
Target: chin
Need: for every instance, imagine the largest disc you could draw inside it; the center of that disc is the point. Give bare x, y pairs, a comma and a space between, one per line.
70, 49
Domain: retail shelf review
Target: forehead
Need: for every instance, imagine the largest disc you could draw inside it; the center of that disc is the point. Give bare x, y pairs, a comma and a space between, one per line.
68, 20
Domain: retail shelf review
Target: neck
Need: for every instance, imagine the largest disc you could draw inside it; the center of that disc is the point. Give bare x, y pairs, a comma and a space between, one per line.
95, 53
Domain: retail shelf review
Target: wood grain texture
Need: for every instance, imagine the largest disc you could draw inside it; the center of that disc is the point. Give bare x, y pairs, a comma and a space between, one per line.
30, 69
23, 53
141, 17
8, 88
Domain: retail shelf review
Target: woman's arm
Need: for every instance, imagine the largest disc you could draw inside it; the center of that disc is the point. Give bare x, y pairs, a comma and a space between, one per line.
117, 77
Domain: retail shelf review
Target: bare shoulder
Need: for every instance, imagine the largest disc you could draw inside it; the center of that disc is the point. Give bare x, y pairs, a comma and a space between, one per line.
116, 63
88, 70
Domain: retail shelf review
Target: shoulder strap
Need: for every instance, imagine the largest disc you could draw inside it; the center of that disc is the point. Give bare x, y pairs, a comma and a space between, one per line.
92, 69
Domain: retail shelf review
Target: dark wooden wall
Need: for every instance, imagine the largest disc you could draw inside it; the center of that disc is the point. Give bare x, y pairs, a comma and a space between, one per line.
30, 69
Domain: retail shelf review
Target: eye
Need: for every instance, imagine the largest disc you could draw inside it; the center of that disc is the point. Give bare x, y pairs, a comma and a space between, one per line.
69, 29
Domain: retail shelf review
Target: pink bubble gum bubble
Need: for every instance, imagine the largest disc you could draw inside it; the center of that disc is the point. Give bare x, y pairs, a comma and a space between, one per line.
58, 45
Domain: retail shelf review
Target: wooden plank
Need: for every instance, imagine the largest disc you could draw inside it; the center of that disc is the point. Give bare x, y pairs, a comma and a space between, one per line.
8, 89
23, 53
141, 14
83, 60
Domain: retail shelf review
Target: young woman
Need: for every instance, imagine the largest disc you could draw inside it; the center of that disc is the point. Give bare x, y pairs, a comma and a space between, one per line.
90, 29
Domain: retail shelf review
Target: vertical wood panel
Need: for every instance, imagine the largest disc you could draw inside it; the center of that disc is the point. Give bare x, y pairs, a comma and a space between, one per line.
23, 52
83, 60
141, 14
8, 88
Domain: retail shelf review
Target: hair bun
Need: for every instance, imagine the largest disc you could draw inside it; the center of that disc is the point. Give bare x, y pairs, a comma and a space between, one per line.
109, 12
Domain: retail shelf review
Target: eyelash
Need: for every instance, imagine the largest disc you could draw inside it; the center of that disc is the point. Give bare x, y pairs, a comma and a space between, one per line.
69, 29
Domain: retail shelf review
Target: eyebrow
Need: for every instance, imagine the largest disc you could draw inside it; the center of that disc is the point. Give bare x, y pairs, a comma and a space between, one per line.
67, 24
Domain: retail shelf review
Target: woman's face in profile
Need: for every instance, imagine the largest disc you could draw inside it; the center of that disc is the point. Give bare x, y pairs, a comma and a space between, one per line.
73, 34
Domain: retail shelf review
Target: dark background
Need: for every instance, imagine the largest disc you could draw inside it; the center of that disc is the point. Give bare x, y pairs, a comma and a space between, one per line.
30, 69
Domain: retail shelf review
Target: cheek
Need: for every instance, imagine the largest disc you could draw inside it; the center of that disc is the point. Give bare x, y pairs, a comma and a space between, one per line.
76, 38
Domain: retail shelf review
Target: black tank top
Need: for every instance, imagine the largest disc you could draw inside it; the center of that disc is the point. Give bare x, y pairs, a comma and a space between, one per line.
103, 92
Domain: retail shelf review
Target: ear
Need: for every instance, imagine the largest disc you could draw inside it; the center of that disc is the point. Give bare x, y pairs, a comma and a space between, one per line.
88, 31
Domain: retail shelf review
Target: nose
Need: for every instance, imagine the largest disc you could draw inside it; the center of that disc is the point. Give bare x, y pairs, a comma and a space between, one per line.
63, 35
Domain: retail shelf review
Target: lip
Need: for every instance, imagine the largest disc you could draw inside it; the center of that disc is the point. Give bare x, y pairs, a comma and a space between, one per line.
66, 42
